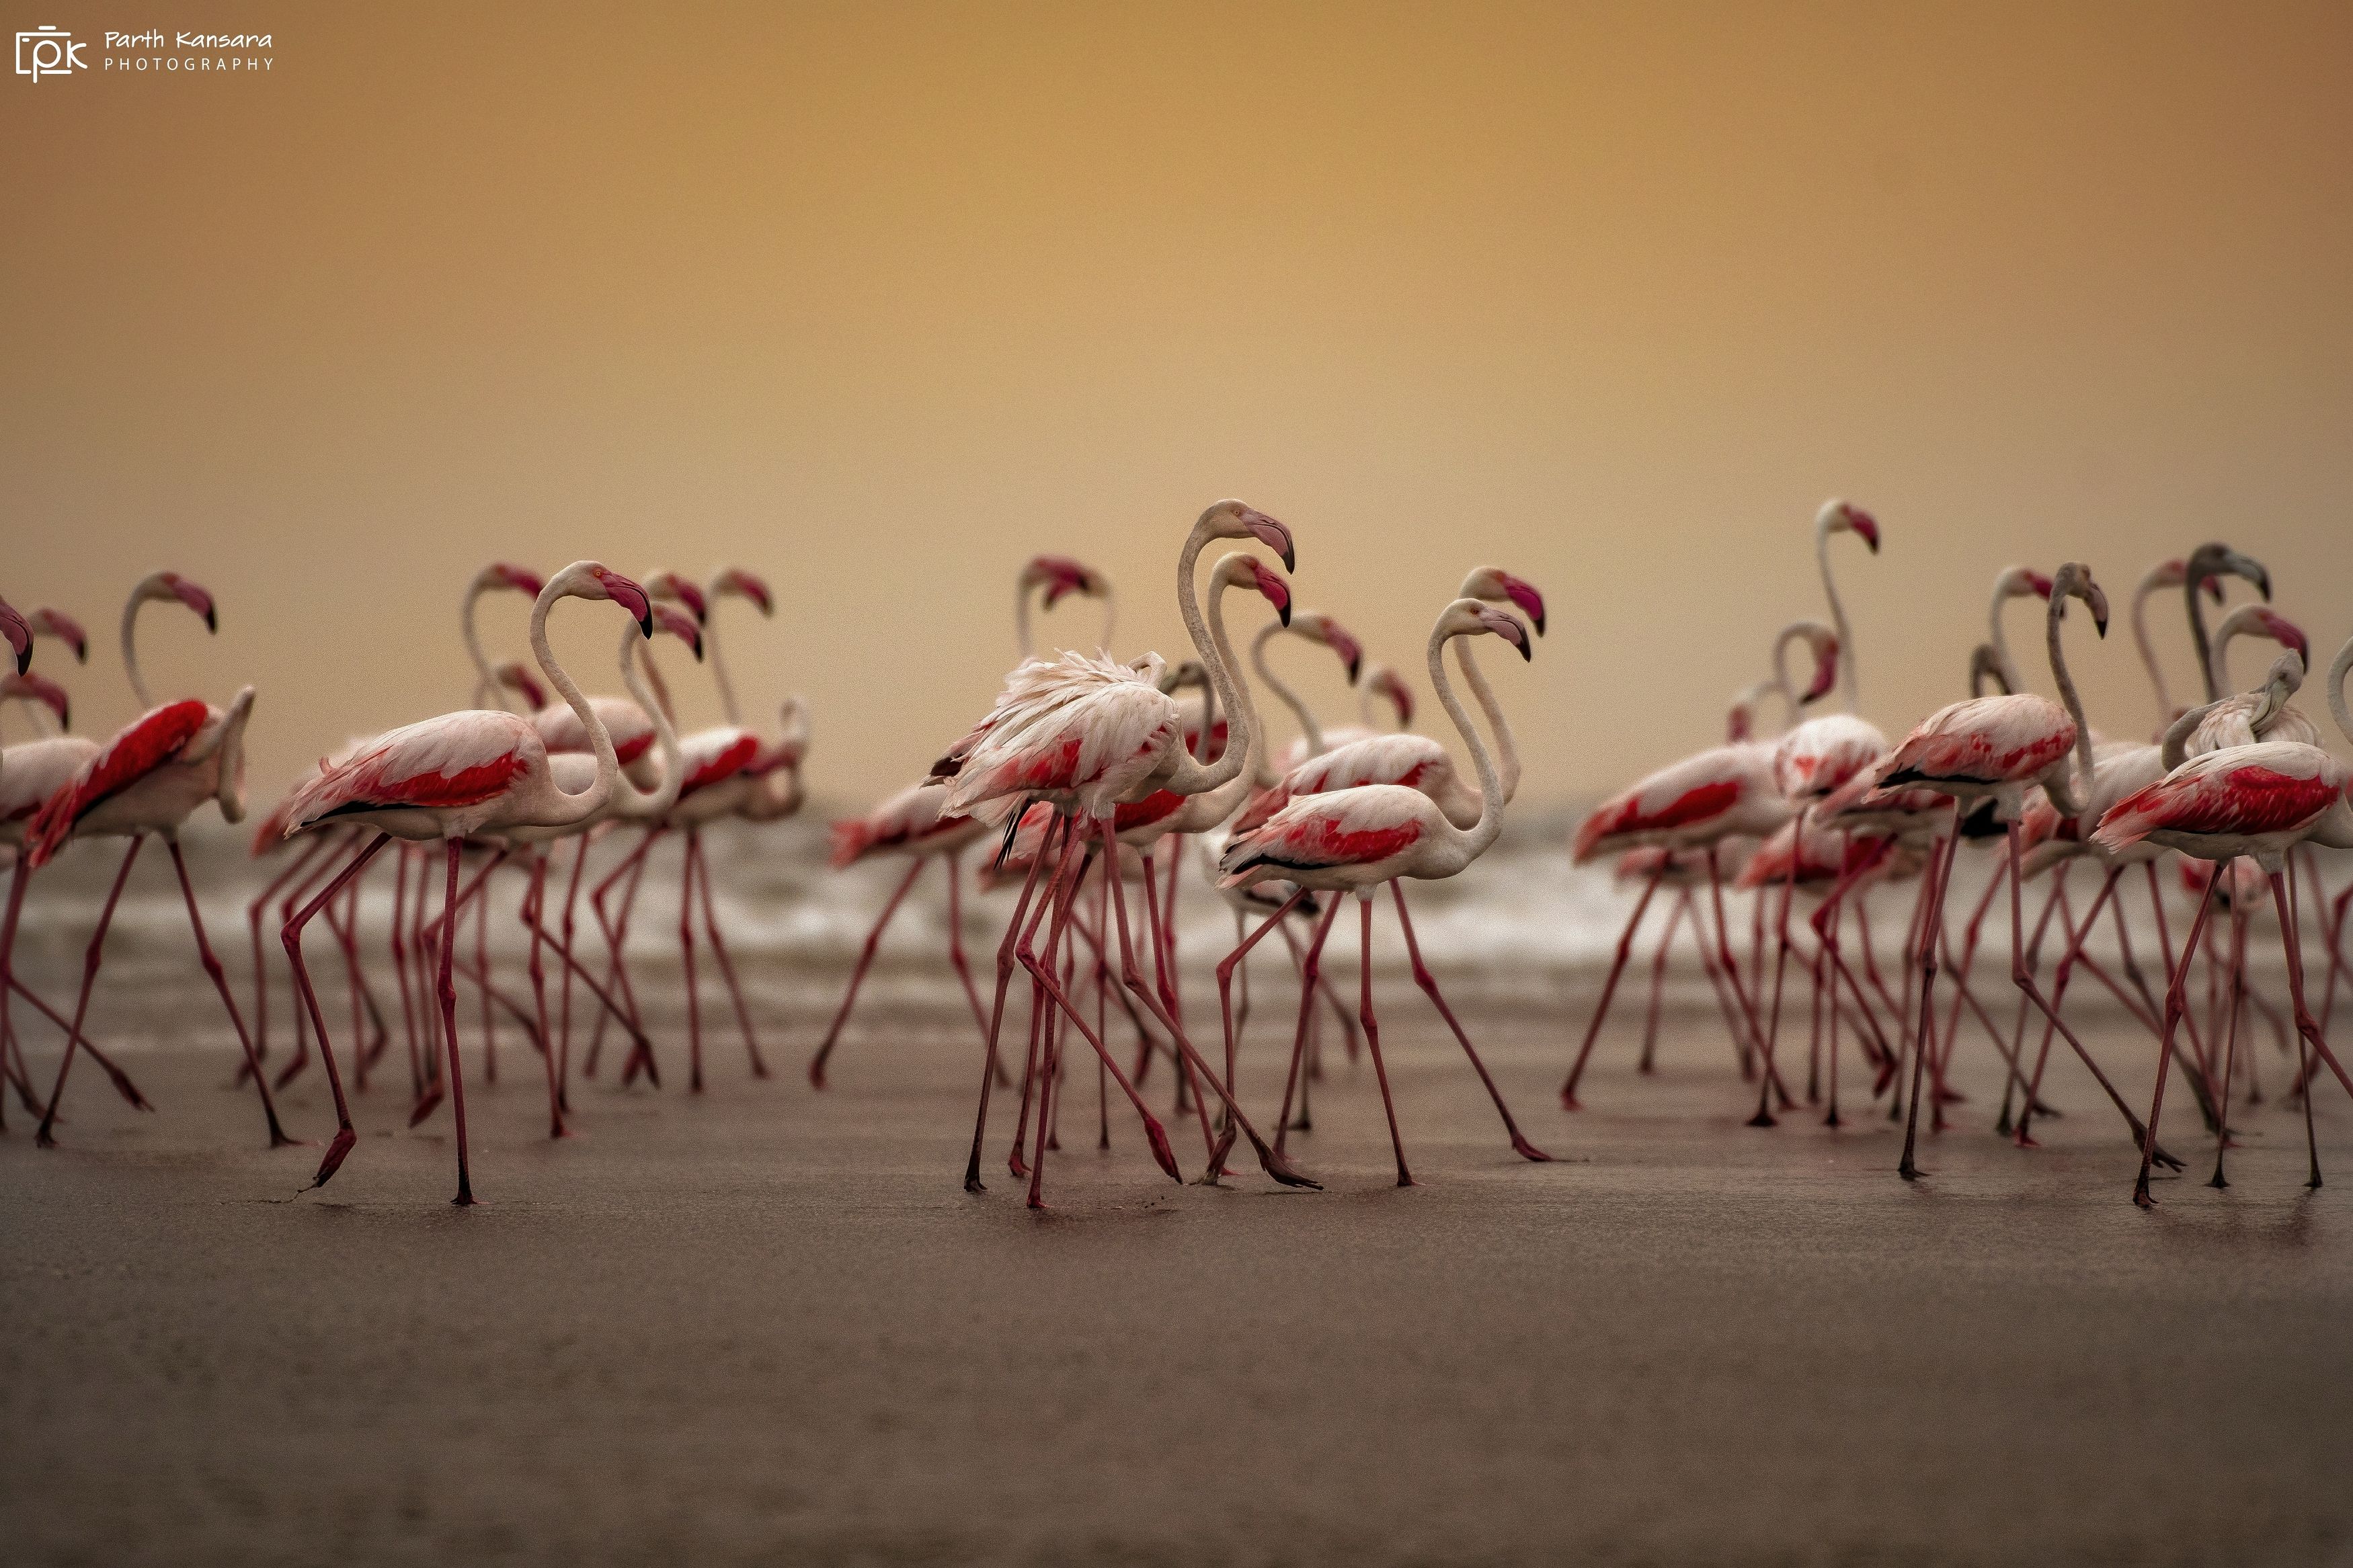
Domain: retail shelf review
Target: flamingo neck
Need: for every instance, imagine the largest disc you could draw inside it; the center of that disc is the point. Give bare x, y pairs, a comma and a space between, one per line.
2006, 666
1475, 839
2199, 639
2149, 584
1209, 807
1850, 683
130, 648
567, 810
1281, 689
1507, 750
628, 800
661, 702
2338, 668
1216, 657
2062, 787
488, 687
2220, 661
1022, 642
718, 662
1111, 619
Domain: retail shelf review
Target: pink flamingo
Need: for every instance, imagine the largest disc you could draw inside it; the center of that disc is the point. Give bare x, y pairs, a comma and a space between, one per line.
2002, 747
2260, 801
1693, 806
914, 823
150, 779
447, 779
1356, 840
1085, 734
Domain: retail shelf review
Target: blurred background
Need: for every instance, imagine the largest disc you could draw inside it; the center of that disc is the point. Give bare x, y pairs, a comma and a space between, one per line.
876, 300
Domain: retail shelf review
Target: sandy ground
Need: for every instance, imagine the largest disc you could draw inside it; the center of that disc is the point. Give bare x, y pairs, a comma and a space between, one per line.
768, 1325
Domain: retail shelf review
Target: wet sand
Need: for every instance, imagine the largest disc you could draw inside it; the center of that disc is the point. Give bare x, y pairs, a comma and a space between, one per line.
767, 1325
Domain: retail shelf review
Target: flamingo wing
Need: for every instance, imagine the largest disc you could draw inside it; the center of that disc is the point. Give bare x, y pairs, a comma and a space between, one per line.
138, 749
560, 729
1680, 796
907, 818
1984, 740
1071, 725
2272, 787
716, 753
1359, 826
1821, 755
448, 764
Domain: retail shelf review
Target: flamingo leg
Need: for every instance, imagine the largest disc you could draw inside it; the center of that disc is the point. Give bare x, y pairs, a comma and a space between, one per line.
538, 970
301, 889
2230, 1035
1310, 967
1373, 1028
686, 959
91, 958
1772, 1034
1429, 984
564, 996
400, 966
1940, 872
1270, 1161
865, 961
2303, 1057
219, 976
253, 913
1005, 962
1236, 962
1609, 984
2309, 1026
1675, 913
1753, 1040
2052, 902
447, 991
2176, 1002
720, 956
955, 941
2059, 978
290, 937
483, 963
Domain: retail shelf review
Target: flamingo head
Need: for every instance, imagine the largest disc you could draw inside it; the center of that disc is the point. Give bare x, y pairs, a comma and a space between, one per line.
737, 582
2173, 574
1821, 641
1466, 617
517, 678
594, 580
668, 587
1239, 571
1232, 519
507, 576
2073, 581
172, 585
1985, 670
49, 622
1317, 628
2280, 683
1498, 586
1845, 517
39, 688
1390, 686
1061, 576
2210, 561
684, 628
2020, 583
1185, 672
2264, 621
19, 634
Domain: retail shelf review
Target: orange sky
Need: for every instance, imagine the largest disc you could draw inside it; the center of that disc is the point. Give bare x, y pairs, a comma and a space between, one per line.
876, 299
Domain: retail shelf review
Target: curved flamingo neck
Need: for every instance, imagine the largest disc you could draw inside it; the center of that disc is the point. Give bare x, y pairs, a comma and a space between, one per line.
1216, 657
1281, 689
1475, 839
2064, 793
567, 810
1507, 750
488, 687
2006, 666
2199, 639
1211, 807
718, 662
1850, 682
2149, 583
1021, 640
1110, 618
130, 648
628, 800
2338, 668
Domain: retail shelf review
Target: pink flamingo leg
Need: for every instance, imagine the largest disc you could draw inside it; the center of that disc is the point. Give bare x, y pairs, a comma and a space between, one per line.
2304, 1064
300, 888
1004, 966
865, 961
686, 959
2059, 978
720, 956
1940, 868
253, 912
213, 967
2176, 1002
1429, 984
539, 939
1270, 1161
2231, 1036
1753, 1039
1648, 1064
91, 958
447, 992
1772, 1033
1372, 1030
564, 997
615, 933
483, 963
400, 967
1310, 968
290, 937
1238, 960
1609, 985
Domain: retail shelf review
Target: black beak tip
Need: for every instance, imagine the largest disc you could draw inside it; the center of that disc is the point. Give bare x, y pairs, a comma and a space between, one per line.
1528, 651
1283, 611
2101, 623
1540, 626
24, 659
212, 621
1290, 559
646, 625
1354, 670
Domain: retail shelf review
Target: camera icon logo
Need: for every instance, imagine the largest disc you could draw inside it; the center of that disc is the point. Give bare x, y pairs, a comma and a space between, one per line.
49, 52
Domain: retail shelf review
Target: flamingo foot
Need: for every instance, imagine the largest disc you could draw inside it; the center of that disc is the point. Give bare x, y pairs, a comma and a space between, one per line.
1762, 1118
2140, 1195
1834, 1120
1527, 1151
1284, 1172
128, 1089
1569, 1102
1951, 1097
2025, 1140
426, 1104
279, 1140
41, 1136
1161, 1153
346, 1139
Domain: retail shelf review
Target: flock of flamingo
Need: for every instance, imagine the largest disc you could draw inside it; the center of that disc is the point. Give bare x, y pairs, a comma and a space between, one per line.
1091, 773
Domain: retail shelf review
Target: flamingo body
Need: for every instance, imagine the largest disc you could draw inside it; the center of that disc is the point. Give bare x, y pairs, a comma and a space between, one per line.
915, 821
1719, 793
1985, 745
2257, 800
1083, 731
154, 773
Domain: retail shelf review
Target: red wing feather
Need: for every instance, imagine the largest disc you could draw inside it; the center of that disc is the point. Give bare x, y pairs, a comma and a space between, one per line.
148, 743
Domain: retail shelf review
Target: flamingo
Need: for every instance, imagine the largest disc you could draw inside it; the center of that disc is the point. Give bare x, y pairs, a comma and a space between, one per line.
1696, 804
2002, 747
2159, 578
2207, 566
1356, 840
446, 779
1085, 734
150, 779
44, 622
915, 822
499, 576
2260, 801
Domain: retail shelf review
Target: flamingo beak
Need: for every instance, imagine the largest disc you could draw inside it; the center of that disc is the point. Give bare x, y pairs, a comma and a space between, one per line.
750, 587
196, 599
20, 638
521, 579
1525, 594
2041, 585
2097, 599
2287, 634
2253, 570
681, 626
1826, 665
1275, 536
1277, 591
629, 596
1866, 525
1510, 631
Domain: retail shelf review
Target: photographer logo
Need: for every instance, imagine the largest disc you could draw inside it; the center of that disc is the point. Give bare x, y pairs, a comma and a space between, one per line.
49, 52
